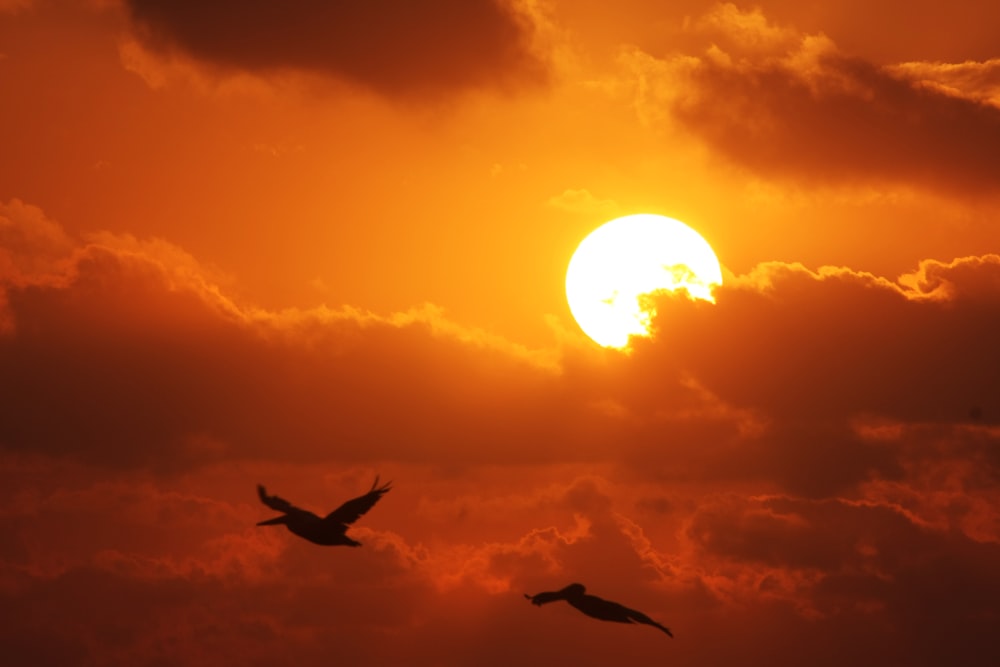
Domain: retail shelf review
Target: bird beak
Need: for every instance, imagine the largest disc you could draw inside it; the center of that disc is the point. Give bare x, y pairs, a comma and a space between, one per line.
273, 522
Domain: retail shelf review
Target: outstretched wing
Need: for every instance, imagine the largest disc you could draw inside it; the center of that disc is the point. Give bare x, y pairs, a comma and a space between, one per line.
606, 610
279, 504
352, 510
639, 617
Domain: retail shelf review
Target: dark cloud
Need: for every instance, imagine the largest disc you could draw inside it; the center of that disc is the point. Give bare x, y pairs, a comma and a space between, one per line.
391, 46
99, 617
809, 346
793, 106
779, 576
869, 28
147, 366
148, 363
128, 355
842, 561
857, 124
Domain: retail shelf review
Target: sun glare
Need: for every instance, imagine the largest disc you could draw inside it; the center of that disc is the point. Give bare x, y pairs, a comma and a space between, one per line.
627, 258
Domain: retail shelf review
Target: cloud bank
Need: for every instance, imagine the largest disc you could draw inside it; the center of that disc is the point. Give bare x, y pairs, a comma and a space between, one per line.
793, 106
394, 48
802, 455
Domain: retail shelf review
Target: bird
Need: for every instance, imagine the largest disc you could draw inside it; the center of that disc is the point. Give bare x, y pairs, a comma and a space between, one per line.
330, 530
591, 605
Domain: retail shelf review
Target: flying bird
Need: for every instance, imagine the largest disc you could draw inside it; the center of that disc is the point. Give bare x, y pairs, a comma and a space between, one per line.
330, 530
591, 605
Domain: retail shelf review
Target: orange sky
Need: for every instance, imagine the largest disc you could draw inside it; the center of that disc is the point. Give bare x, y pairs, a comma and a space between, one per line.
300, 244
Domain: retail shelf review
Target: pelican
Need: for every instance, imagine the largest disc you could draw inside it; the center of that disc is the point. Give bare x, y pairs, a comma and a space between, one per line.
591, 605
330, 530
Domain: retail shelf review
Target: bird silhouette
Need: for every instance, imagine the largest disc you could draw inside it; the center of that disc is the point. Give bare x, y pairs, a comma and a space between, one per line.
330, 530
591, 605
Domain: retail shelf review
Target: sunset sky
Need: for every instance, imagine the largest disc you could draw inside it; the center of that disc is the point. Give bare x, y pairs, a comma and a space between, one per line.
303, 243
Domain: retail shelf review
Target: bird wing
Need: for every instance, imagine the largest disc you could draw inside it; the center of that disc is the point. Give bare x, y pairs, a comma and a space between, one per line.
639, 617
606, 610
279, 504
352, 510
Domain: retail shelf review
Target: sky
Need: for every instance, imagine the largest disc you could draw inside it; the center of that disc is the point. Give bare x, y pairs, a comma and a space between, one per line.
304, 243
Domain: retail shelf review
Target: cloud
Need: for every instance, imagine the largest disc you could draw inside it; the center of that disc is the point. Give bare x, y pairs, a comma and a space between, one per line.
145, 544
976, 81
151, 364
180, 367
390, 47
30, 243
583, 201
845, 561
795, 358
712, 561
834, 343
147, 360
801, 454
793, 106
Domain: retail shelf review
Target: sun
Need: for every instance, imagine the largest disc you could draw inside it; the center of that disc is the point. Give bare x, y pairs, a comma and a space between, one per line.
627, 258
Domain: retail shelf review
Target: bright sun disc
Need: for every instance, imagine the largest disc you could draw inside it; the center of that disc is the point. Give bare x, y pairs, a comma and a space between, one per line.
629, 257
